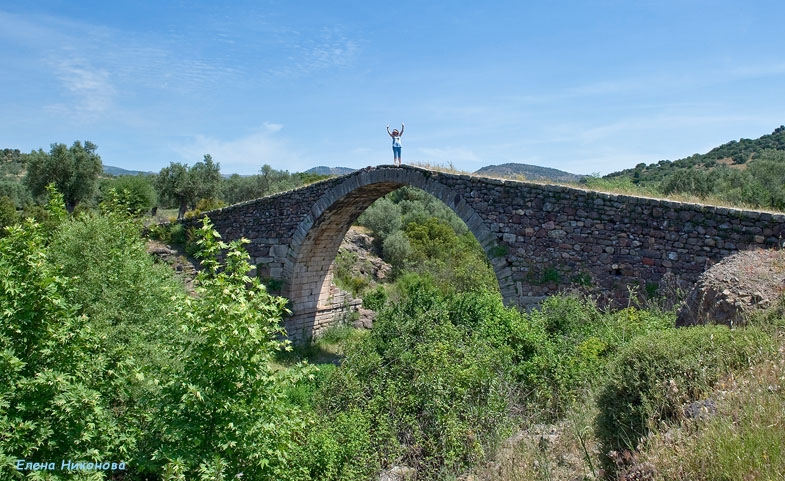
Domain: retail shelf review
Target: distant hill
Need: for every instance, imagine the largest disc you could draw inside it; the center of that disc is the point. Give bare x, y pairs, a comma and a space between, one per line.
529, 172
734, 154
112, 170
323, 170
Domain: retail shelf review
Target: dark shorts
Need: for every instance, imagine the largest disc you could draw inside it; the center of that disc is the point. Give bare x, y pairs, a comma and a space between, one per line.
397, 152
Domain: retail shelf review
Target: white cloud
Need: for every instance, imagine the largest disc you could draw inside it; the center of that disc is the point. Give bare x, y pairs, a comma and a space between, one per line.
90, 87
247, 154
305, 54
271, 127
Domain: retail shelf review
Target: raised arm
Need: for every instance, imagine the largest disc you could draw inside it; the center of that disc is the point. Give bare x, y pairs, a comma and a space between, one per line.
388, 131
401, 129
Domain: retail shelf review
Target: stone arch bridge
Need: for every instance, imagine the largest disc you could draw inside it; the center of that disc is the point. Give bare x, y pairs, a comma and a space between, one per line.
540, 239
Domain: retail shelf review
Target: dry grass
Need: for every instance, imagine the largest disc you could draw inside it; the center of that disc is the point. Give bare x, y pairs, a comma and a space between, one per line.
566, 450
447, 168
744, 440
738, 435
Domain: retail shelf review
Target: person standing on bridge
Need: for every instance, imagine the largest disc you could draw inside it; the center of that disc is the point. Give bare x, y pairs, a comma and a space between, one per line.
396, 143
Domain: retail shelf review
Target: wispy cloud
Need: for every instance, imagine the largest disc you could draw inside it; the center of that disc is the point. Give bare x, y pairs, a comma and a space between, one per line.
246, 154
305, 54
272, 127
90, 87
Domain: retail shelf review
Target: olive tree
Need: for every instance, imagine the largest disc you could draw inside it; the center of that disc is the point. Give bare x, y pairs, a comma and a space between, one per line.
73, 170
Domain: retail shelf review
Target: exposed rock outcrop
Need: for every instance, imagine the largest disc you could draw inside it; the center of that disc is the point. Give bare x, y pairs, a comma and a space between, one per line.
734, 287
369, 262
175, 257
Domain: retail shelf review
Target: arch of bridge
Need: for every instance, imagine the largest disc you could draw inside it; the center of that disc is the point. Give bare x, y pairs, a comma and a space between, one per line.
318, 236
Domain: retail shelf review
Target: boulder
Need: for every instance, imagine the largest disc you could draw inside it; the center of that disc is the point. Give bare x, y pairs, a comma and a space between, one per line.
733, 288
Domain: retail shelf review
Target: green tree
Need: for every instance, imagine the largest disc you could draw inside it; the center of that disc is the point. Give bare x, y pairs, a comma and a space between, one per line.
137, 192
15, 191
185, 186
74, 171
383, 217
268, 181
768, 169
8, 214
688, 181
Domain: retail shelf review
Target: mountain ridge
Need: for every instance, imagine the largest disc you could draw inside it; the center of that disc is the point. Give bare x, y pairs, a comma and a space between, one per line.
529, 172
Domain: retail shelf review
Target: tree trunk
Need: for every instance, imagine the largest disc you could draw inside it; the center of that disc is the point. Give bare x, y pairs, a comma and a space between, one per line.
183, 208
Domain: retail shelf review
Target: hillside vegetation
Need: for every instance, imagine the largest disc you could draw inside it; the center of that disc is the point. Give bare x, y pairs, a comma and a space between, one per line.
744, 172
529, 172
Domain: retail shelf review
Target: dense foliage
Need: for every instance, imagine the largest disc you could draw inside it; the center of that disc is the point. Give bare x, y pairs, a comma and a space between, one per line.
105, 358
268, 181
184, 185
73, 170
136, 192
433, 386
654, 376
420, 234
747, 172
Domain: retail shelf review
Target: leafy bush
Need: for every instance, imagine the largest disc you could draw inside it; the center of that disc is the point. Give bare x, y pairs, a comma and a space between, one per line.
16, 191
128, 301
569, 342
653, 375
375, 299
137, 192
430, 388
396, 250
345, 278
227, 406
383, 217
51, 364
8, 215
337, 448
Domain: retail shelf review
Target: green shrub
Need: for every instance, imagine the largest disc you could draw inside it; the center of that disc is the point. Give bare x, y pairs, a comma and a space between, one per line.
8, 214
375, 299
336, 449
52, 367
227, 405
653, 375
432, 389
383, 217
16, 191
396, 250
344, 275
135, 192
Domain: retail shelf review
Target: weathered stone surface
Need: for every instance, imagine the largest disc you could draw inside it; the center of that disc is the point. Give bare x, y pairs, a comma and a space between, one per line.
733, 288
184, 266
398, 473
529, 231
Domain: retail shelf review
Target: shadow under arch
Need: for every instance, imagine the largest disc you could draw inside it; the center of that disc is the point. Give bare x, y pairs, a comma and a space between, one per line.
318, 236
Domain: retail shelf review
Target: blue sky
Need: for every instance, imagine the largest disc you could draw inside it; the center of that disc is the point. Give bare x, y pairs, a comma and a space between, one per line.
583, 86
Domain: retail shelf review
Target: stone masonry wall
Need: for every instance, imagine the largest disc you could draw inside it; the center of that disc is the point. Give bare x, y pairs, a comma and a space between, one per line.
540, 239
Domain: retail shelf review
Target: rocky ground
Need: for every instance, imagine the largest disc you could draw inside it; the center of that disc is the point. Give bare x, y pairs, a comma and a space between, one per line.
734, 287
176, 258
368, 264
